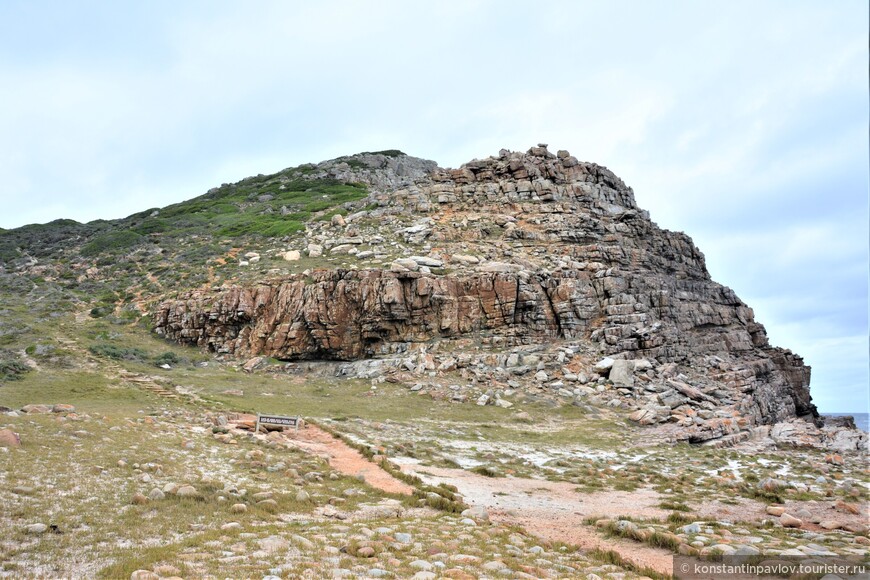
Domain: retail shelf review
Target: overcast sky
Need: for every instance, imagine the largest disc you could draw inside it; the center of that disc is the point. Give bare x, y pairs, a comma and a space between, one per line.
744, 124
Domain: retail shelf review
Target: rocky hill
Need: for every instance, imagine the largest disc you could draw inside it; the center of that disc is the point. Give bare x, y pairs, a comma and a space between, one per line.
502, 369
506, 253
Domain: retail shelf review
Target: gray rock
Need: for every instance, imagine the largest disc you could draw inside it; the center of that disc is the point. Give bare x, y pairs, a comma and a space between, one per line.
622, 373
36, 529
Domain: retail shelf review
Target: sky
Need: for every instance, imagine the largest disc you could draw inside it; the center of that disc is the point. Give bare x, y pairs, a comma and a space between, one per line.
741, 123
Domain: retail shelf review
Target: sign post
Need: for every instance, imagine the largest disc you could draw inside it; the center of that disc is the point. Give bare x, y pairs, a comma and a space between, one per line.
277, 420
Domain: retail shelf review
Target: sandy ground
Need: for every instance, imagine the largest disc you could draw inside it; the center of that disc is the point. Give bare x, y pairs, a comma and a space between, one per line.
345, 459
554, 511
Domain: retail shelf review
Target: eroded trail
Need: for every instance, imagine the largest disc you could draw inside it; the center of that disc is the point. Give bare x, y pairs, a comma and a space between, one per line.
554, 511
344, 458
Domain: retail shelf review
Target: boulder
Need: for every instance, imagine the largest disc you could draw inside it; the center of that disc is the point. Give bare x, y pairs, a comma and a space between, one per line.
622, 373
9, 438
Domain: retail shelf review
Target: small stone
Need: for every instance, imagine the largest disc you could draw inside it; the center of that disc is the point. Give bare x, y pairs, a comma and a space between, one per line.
421, 565
302, 496
789, 521
365, 552
302, 542
144, 575
238, 508
156, 494
139, 499
603, 366
846, 508
479, 513
268, 504
694, 528
403, 538
774, 510
36, 529
186, 491
292, 256
36, 409
231, 526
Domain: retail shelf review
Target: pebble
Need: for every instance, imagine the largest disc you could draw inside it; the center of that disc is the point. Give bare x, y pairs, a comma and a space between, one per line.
156, 494
238, 508
231, 526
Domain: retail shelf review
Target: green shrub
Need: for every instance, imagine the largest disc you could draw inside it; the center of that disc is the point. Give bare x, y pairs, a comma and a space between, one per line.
112, 241
168, 358
118, 353
11, 369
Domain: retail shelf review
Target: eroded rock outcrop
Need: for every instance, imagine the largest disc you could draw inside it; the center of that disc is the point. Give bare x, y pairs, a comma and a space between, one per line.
514, 249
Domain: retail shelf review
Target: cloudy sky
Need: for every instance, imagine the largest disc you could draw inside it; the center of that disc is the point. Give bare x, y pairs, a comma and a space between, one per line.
742, 123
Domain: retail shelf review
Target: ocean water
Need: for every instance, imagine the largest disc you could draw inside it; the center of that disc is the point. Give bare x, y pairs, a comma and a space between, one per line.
862, 420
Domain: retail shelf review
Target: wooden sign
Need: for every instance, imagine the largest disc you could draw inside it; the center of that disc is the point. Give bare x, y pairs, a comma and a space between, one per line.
277, 420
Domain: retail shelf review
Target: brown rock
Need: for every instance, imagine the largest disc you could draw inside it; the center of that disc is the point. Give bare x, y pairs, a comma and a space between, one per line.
846, 508
63, 408
789, 521
775, 510
9, 438
36, 409
139, 499
855, 528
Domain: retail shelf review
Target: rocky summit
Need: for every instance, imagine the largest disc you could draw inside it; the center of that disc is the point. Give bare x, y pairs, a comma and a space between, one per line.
502, 254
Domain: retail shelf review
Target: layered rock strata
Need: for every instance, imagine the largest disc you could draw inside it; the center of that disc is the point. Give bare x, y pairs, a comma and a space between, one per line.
569, 255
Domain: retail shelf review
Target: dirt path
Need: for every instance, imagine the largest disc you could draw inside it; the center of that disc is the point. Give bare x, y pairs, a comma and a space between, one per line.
555, 511
344, 458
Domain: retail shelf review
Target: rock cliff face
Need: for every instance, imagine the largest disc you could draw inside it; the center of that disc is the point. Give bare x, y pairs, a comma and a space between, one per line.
518, 249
